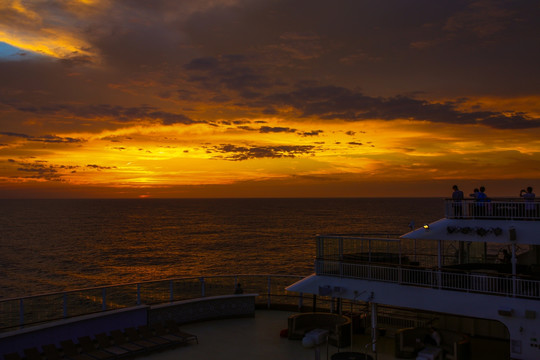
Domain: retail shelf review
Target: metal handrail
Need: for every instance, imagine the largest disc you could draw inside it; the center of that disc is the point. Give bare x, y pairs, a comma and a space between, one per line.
476, 283
146, 282
33, 309
507, 209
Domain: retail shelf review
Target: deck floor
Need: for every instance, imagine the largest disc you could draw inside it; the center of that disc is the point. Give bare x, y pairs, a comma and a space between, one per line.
258, 338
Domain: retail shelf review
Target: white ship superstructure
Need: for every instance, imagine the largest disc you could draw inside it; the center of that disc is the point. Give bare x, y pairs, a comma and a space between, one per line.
479, 261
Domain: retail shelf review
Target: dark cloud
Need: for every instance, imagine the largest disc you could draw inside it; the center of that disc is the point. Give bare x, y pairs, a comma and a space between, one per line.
76, 60
24, 136
484, 19
171, 119
239, 153
98, 167
207, 64
246, 128
45, 138
311, 133
270, 111
512, 121
275, 129
332, 102
237, 73
391, 47
116, 138
43, 170
111, 112
129, 114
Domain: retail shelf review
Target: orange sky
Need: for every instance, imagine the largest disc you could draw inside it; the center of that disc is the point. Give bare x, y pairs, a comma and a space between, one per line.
272, 98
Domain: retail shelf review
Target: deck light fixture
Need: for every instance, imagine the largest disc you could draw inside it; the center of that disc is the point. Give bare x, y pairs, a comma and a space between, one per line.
426, 226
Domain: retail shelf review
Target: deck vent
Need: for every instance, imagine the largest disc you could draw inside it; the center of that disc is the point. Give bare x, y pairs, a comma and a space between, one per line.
512, 234
325, 290
506, 311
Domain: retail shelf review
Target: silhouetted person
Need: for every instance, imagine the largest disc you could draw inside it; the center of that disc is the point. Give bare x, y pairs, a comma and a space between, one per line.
433, 338
528, 196
238, 289
481, 199
457, 196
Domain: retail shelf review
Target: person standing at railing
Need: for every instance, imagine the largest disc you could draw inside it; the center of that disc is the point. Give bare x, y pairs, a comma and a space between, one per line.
481, 197
528, 196
481, 200
457, 197
238, 289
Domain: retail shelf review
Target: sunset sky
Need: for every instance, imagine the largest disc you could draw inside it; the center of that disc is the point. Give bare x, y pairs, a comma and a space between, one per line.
268, 98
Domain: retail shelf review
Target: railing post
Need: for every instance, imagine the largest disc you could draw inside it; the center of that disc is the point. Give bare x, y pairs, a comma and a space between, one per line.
439, 262
369, 259
514, 271
340, 248
400, 266
104, 299
64, 305
21, 312
374, 327
203, 290
138, 294
269, 291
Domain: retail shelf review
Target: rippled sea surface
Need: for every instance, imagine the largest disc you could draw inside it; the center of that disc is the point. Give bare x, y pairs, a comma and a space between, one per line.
53, 245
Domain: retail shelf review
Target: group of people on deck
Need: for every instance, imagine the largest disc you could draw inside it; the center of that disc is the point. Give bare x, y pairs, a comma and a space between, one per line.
480, 197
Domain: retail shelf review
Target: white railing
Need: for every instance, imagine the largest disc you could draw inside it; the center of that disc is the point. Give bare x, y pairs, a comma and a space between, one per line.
457, 281
511, 210
19, 312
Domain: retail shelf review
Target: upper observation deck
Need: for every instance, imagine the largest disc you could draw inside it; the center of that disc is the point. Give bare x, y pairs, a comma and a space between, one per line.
499, 209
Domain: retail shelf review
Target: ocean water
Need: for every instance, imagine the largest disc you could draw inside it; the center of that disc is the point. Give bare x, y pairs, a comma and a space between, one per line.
55, 245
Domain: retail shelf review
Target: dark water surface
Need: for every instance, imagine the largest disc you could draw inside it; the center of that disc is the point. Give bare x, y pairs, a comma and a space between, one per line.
53, 245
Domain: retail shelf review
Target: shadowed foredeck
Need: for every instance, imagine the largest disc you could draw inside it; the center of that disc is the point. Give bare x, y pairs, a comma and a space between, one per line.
258, 338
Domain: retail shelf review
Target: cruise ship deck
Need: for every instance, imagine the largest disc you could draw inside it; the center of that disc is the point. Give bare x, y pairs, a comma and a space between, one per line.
258, 337
446, 274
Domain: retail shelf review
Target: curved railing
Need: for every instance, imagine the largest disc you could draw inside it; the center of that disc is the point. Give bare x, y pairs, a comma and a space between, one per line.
30, 310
